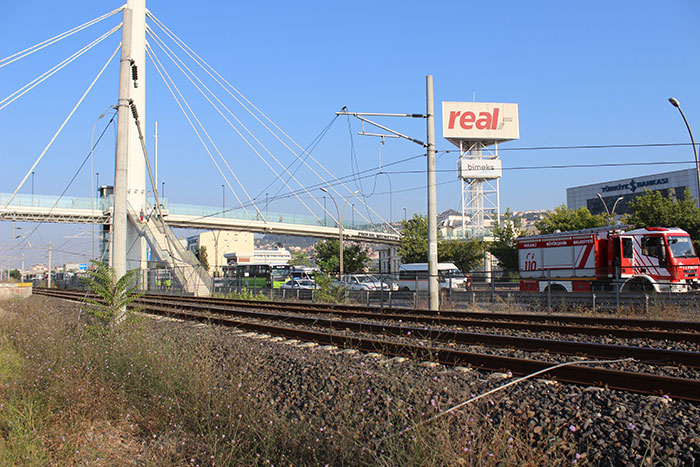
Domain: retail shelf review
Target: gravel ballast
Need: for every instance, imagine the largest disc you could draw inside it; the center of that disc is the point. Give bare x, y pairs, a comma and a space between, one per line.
599, 426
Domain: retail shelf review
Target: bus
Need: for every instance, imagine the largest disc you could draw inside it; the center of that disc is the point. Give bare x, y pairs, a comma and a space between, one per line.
414, 277
262, 276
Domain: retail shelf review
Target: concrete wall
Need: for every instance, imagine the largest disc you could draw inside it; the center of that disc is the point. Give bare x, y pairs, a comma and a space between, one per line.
9, 291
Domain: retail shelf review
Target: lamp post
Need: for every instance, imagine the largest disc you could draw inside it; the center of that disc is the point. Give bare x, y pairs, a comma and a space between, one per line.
92, 188
162, 190
674, 102
404, 214
223, 200
32, 188
340, 227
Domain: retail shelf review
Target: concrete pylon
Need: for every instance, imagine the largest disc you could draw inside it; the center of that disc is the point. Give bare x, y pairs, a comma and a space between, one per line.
128, 247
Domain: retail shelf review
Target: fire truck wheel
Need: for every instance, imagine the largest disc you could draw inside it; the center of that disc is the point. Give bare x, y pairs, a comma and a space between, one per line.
639, 286
556, 288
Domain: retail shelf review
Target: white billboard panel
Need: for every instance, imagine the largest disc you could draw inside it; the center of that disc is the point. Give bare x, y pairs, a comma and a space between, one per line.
479, 121
481, 169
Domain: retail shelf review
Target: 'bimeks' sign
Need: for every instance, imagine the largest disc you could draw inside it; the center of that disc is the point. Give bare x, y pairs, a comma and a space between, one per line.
479, 121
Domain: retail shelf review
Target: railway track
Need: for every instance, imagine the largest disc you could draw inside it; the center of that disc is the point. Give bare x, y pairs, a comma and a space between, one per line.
340, 327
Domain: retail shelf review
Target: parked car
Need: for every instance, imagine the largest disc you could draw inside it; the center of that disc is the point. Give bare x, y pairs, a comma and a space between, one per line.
414, 277
299, 284
364, 282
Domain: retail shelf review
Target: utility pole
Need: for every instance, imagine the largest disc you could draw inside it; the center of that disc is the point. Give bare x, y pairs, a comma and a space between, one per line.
433, 285
48, 284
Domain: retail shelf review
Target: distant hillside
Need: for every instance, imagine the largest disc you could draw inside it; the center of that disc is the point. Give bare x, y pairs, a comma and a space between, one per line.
286, 241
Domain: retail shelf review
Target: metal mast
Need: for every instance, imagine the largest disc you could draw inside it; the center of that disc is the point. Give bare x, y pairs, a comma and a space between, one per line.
433, 284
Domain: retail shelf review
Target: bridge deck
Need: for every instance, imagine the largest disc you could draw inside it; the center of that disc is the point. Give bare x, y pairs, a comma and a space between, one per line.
77, 210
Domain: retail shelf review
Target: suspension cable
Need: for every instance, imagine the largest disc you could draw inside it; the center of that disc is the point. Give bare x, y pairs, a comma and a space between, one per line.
158, 65
36, 81
53, 40
236, 129
75, 175
62, 125
206, 67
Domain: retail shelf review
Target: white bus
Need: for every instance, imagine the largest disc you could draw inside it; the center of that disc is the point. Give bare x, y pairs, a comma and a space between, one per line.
414, 277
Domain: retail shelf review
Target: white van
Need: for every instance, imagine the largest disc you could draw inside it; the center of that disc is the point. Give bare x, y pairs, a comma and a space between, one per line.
414, 277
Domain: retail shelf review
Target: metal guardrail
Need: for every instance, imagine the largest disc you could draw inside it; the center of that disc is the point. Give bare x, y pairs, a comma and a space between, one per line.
501, 295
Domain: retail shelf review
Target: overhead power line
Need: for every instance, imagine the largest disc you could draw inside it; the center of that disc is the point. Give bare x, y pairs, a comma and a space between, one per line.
587, 146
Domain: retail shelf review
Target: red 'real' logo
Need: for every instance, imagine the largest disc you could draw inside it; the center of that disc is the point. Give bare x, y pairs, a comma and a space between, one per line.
469, 120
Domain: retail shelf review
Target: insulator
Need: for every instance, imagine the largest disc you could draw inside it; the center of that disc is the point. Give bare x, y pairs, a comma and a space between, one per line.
134, 112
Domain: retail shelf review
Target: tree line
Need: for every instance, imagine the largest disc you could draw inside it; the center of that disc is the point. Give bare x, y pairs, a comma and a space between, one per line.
651, 209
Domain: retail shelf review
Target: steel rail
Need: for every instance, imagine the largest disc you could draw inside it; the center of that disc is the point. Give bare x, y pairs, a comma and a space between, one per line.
635, 382
490, 316
645, 354
484, 320
443, 314
679, 388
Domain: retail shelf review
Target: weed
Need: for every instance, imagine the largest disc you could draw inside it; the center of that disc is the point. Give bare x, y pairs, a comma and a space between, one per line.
114, 293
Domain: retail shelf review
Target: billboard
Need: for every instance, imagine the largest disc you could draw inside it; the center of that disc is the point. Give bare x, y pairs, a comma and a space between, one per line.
479, 169
479, 121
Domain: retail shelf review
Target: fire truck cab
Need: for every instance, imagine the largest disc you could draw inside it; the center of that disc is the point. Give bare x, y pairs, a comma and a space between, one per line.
654, 259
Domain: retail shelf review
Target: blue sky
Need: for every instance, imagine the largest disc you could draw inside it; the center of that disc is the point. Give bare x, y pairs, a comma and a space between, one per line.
582, 73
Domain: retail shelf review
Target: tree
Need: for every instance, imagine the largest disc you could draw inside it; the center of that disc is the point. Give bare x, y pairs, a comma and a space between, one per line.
15, 274
300, 258
505, 245
563, 219
355, 258
203, 257
326, 291
413, 247
465, 254
114, 293
654, 210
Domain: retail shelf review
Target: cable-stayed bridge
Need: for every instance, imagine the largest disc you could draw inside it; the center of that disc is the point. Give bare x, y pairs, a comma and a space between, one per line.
299, 176
80, 210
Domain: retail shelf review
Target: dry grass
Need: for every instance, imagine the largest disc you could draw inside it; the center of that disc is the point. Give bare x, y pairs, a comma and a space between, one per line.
155, 393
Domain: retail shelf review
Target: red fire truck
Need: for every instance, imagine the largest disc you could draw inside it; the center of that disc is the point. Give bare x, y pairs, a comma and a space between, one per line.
654, 259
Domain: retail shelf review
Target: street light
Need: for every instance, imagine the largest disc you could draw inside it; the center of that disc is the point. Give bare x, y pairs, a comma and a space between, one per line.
404, 214
32, 188
674, 102
92, 188
340, 226
605, 205
223, 200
